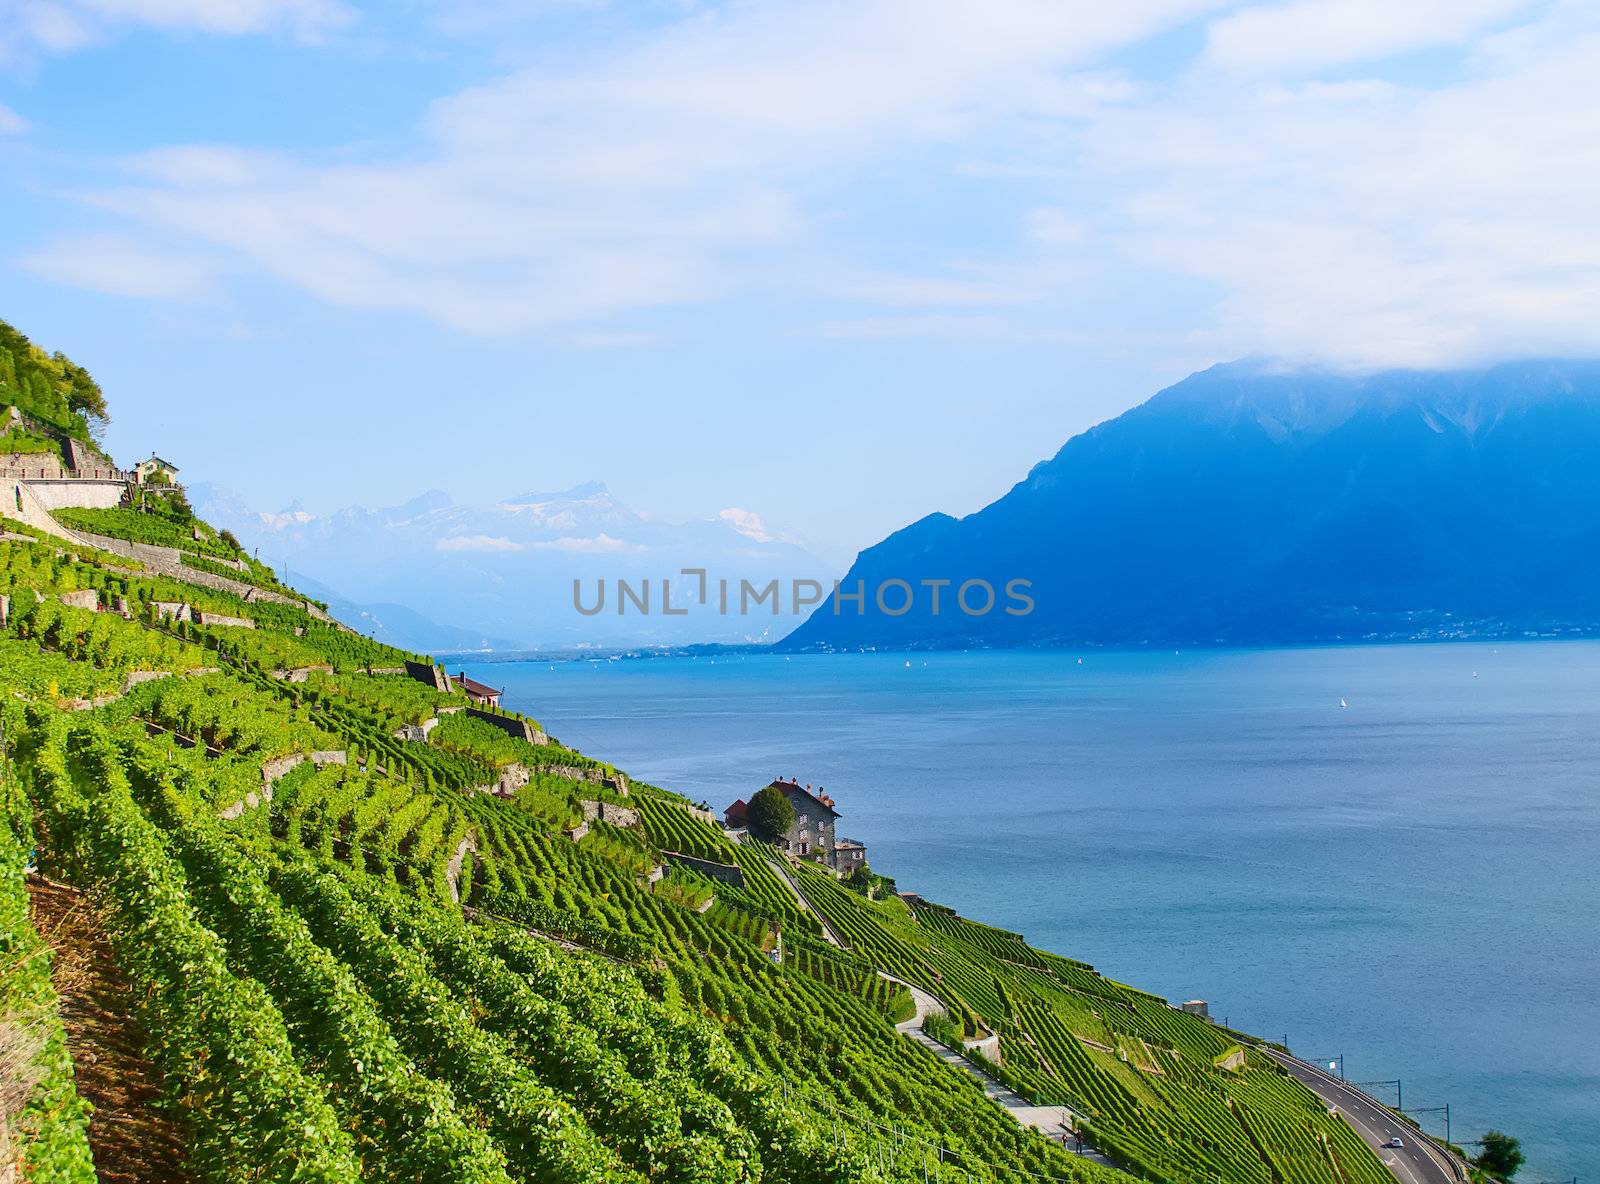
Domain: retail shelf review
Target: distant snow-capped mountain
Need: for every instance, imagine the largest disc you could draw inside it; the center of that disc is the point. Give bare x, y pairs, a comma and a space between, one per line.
506, 570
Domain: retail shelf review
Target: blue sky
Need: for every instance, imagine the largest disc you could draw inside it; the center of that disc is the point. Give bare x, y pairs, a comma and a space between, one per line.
834, 264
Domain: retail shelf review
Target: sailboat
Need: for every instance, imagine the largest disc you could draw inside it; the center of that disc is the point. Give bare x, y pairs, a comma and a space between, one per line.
1342, 703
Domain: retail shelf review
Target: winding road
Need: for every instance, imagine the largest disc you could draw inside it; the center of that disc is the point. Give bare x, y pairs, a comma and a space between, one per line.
1418, 1162
1051, 1121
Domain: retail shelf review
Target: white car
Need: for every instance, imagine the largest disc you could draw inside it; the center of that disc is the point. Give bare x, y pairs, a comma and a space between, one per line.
1395, 1143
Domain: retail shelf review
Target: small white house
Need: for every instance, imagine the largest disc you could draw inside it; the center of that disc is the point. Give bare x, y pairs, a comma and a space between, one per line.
155, 471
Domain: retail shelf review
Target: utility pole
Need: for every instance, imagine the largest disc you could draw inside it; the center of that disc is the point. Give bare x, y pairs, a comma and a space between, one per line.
1331, 1062
1445, 1110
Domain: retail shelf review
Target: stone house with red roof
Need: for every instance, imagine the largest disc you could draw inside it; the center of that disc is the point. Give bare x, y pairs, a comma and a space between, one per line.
812, 834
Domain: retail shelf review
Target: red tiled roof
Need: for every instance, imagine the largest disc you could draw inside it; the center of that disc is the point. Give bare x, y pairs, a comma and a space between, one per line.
794, 787
473, 687
735, 813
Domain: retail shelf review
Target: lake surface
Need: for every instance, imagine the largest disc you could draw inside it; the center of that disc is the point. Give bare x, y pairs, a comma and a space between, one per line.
1412, 881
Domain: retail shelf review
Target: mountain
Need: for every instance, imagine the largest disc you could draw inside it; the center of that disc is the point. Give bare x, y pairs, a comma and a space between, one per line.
506, 570
401, 627
1250, 504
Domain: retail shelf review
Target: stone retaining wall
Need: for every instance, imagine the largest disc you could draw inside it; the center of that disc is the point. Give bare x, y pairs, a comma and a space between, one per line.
211, 620
512, 778
272, 771
88, 461
249, 802
66, 493
35, 466
727, 873
511, 725
987, 1047
429, 675
595, 775
418, 733
175, 609
612, 814
168, 561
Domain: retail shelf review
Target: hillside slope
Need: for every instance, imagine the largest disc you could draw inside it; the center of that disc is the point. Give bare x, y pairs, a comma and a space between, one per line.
1250, 506
374, 936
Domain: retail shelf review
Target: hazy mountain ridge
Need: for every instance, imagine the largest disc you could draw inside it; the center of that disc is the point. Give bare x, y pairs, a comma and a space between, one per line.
1253, 505
501, 575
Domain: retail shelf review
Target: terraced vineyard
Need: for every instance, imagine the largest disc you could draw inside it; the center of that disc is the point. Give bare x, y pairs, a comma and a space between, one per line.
351, 963
364, 934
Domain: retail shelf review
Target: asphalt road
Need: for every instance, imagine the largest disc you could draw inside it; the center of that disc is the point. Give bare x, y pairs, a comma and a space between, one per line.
1415, 1163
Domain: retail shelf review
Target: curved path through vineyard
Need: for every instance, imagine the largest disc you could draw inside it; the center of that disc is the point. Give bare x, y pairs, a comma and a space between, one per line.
1053, 1121
828, 931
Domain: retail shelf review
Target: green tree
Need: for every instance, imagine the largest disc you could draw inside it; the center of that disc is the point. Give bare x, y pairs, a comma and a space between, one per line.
769, 814
83, 393
1501, 1155
49, 387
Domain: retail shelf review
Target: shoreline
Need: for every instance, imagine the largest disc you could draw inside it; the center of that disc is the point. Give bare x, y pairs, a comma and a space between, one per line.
1167, 945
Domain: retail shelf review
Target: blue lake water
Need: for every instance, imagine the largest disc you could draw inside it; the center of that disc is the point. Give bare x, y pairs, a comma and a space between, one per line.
1412, 881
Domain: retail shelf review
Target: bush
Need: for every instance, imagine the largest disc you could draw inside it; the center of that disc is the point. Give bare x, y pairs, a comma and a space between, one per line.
1501, 1155
770, 814
18, 440
943, 1029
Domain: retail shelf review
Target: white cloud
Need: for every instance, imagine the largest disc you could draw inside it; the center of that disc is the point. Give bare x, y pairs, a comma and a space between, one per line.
616, 339
1310, 35
666, 170
741, 153
11, 124
60, 26
471, 17
1375, 224
477, 542
1051, 227
935, 290
121, 266
939, 326
600, 544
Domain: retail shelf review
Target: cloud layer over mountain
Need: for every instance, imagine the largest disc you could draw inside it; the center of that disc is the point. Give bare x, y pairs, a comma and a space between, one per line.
507, 570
